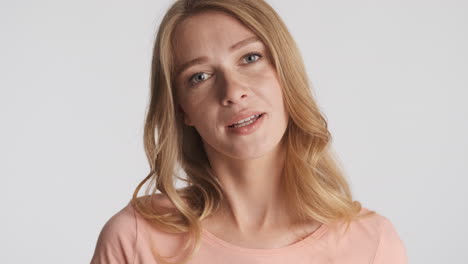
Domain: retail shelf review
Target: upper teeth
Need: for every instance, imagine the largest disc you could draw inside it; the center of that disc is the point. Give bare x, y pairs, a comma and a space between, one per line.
247, 119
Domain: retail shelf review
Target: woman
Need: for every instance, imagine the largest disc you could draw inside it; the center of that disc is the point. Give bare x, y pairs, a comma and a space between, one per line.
231, 106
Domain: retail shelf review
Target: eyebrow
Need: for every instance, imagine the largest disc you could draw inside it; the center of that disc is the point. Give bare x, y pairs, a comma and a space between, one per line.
201, 60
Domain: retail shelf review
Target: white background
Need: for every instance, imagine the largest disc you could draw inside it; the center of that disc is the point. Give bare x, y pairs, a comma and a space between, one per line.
390, 76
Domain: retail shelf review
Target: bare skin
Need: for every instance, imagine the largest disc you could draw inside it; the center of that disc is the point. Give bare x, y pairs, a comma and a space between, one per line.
249, 167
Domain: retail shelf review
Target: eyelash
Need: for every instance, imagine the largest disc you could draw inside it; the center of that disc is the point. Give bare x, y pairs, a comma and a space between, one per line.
245, 56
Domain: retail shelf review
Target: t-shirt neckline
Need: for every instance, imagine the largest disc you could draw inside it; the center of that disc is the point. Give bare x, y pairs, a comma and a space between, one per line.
218, 242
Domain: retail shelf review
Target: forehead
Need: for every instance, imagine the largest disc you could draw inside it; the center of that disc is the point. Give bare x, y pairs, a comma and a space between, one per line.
206, 32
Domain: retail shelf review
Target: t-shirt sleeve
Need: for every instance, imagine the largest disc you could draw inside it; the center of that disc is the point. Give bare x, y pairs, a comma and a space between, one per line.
117, 239
391, 249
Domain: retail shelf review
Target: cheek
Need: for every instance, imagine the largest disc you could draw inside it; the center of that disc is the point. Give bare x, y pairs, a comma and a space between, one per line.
191, 101
199, 111
269, 87
187, 107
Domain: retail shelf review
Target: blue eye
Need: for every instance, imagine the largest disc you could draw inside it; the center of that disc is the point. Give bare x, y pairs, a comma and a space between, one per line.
250, 55
194, 80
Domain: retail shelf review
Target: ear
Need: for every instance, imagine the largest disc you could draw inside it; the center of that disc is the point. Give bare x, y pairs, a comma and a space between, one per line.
184, 116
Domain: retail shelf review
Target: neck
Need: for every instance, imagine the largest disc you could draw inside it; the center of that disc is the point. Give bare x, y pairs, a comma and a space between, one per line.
253, 192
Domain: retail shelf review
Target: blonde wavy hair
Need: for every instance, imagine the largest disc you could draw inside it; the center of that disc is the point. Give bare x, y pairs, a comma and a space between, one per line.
313, 181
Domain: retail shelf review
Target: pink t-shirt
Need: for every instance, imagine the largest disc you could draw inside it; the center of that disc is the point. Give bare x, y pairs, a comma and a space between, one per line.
127, 238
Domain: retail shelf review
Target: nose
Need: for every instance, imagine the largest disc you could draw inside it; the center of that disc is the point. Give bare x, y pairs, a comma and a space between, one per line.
234, 88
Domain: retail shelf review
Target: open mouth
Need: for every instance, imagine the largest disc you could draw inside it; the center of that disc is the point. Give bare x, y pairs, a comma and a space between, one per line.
246, 123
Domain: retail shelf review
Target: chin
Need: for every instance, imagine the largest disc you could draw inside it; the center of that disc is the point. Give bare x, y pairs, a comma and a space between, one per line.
255, 152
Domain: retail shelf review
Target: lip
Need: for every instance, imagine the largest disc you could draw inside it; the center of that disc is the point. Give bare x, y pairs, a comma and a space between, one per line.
248, 129
243, 115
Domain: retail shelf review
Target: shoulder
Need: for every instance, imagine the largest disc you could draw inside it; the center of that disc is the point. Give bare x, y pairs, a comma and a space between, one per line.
124, 222
390, 248
128, 236
117, 238
371, 238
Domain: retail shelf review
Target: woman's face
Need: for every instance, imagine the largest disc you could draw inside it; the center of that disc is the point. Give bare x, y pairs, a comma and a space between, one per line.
225, 82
